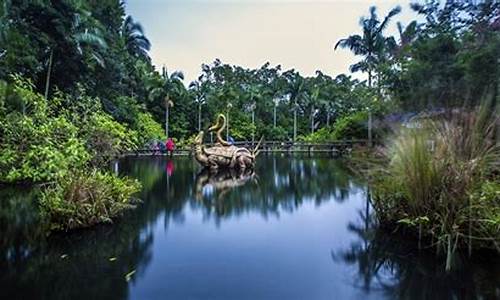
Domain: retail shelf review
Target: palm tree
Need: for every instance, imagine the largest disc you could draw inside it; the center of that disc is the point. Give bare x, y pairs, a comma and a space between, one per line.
134, 39
199, 95
295, 90
87, 37
371, 45
168, 88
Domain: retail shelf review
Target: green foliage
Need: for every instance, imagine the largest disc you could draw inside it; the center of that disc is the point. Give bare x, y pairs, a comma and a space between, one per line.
85, 199
106, 138
36, 146
352, 126
445, 174
148, 129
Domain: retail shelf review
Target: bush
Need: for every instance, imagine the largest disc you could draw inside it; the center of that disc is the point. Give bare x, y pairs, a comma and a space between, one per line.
106, 138
322, 135
36, 146
444, 178
85, 199
148, 129
352, 126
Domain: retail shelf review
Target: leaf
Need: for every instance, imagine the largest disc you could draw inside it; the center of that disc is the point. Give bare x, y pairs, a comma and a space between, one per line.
129, 275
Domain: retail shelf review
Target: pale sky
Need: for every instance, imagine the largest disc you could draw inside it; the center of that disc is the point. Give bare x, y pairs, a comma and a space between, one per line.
297, 34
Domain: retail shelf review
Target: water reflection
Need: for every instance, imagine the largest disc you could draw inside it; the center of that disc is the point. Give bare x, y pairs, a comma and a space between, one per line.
268, 234
387, 264
220, 182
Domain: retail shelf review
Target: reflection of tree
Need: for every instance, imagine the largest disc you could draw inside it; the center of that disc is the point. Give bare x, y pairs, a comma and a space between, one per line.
390, 265
78, 266
280, 185
284, 185
75, 266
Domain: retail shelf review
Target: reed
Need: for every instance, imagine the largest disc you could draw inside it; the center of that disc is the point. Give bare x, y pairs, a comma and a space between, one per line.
443, 181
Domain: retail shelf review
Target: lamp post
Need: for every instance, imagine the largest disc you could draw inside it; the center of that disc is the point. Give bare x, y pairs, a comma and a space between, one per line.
229, 105
168, 103
276, 101
200, 103
252, 107
295, 121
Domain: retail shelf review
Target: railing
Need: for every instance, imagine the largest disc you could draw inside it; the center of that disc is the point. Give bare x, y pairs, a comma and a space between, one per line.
333, 147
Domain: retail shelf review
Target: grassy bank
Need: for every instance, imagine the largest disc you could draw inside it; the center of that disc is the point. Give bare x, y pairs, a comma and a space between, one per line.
442, 181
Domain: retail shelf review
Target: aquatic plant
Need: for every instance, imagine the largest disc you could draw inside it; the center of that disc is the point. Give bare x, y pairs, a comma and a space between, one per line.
443, 180
87, 198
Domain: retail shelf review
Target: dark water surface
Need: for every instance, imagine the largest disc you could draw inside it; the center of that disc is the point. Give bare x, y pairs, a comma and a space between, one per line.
299, 228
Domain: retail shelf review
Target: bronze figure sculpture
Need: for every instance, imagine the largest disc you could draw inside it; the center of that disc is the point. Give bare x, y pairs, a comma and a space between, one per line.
223, 154
222, 180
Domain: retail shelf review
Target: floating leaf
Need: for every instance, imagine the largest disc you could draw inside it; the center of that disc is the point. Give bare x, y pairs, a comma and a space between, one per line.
129, 275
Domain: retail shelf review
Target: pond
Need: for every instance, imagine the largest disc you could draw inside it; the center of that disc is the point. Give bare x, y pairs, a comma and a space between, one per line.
296, 228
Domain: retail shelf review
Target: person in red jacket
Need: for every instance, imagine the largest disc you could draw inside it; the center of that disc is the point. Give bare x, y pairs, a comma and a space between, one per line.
170, 146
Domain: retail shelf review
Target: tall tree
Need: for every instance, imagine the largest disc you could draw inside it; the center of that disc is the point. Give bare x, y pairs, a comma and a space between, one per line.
134, 39
371, 44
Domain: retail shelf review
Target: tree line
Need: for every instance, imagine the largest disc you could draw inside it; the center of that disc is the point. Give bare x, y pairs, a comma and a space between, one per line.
449, 59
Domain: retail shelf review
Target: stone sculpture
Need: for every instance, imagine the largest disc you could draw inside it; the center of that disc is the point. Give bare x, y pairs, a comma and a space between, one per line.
223, 154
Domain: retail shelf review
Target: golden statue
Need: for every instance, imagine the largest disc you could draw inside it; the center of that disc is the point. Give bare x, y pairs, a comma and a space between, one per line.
223, 154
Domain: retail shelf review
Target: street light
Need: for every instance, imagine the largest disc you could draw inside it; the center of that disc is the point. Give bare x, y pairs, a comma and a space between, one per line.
252, 107
229, 105
276, 101
200, 103
168, 103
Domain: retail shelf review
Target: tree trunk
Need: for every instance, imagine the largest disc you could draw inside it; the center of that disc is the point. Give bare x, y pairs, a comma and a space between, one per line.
295, 122
369, 78
253, 126
199, 116
369, 128
49, 70
274, 119
369, 112
312, 119
167, 106
227, 127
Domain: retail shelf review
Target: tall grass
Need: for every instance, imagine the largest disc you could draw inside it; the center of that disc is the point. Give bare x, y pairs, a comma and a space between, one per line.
443, 181
86, 199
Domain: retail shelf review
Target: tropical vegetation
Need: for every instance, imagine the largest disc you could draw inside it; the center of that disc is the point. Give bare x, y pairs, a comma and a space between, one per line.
77, 87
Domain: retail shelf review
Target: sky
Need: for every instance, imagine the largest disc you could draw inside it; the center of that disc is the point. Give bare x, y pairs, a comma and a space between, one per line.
297, 34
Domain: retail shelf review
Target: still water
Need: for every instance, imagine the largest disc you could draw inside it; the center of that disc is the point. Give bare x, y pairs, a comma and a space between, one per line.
296, 228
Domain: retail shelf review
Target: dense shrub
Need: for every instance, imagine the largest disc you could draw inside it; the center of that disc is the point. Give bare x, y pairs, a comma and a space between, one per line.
353, 126
85, 199
47, 140
105, 138
443, 179
35, 145
148, 129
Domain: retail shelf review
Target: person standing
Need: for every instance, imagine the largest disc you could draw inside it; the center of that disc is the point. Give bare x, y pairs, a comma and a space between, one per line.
170, 146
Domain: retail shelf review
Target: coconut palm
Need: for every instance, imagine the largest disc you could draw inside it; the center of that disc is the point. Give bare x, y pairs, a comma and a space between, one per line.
295, 89
371, 45
134, 39
167, 88
87, 37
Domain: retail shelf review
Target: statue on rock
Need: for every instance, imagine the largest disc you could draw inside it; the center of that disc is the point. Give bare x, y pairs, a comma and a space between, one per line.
223, 154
